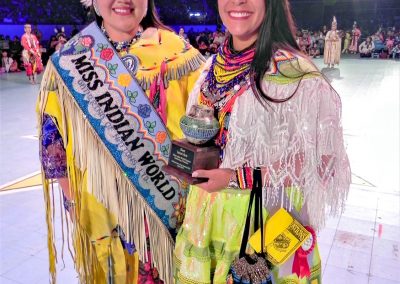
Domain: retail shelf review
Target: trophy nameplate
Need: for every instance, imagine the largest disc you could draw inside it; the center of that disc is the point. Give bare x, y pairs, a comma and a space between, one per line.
195, 152
185, 158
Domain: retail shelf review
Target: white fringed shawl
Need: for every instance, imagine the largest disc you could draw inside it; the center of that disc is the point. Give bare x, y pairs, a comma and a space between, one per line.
306, 129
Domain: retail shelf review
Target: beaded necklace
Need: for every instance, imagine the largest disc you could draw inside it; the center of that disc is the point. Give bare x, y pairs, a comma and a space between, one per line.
121, 46
229, 71
227, 79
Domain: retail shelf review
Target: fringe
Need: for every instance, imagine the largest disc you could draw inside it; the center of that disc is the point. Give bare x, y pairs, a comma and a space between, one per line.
113, 190
48, 204
190, 62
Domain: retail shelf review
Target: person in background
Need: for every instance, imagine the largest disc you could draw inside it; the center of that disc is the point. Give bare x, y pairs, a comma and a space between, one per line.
52, 44
396, 51
304, 41
8, 63
219, 37
314, 51
347, 41
203, 48
366, 48
31, 54
37, 32
321, 42
182, 34
390, 40
324, 30
355, 37
16, 50
202, 37
332, 46
61, 38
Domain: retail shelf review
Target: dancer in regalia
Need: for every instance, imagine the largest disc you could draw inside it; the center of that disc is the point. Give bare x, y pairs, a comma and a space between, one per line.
110, 103
355, 37
278, 115
31, 54
333, 45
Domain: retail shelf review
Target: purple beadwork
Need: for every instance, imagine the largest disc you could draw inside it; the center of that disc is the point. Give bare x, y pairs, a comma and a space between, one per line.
52, 154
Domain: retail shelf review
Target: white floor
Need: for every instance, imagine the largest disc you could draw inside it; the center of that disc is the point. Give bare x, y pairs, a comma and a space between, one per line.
361, 246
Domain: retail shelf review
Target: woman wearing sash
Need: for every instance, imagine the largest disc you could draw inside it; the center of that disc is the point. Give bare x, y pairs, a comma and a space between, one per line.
113, 225
278, 113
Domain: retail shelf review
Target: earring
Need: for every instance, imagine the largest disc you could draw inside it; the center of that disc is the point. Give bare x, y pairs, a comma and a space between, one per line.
96, 8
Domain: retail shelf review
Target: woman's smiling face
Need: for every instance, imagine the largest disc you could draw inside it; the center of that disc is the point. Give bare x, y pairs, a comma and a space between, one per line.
123, 16
243, 19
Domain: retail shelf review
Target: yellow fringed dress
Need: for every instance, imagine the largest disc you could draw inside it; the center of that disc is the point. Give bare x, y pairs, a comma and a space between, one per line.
89, 165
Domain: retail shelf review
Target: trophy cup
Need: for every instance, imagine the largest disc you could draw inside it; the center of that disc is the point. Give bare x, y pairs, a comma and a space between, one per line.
197, 151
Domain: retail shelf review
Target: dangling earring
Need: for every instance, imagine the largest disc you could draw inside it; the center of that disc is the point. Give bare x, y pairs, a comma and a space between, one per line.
96, 8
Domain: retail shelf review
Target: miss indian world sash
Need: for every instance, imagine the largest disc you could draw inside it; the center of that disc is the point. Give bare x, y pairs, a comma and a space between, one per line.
104, 87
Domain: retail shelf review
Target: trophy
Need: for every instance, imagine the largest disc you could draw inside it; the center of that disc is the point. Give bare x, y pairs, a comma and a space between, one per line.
197, 151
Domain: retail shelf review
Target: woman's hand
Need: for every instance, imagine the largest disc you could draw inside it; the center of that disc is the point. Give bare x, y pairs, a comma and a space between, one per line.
218, 179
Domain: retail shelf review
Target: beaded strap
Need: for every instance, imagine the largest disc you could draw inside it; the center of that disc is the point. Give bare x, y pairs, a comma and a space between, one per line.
244, 177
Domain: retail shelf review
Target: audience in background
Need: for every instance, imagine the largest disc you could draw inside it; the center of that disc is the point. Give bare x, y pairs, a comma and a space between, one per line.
384, 42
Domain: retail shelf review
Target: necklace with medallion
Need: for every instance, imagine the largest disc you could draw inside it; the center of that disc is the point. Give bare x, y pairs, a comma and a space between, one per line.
122, 46
227, 79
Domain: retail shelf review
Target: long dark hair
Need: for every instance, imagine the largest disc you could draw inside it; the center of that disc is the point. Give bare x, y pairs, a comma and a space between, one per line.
151, 19
276, 31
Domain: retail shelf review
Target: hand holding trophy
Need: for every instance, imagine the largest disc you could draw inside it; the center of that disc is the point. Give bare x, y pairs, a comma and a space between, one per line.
196, 152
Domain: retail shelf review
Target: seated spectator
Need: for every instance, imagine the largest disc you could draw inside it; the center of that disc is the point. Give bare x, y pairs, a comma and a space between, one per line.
7, 63
202, 37
395, 51
314, 51
390, 42
219, 38
203, 47
305, 42
213, 48
366, 48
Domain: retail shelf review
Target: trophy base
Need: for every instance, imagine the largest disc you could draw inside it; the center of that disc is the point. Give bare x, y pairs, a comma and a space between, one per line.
183, 176
185, 158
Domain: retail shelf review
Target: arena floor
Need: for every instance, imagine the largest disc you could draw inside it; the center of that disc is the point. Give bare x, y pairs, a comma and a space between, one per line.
360, 246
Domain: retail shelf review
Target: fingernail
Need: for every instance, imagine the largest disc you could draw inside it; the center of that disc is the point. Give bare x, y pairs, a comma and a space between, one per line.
195, 174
